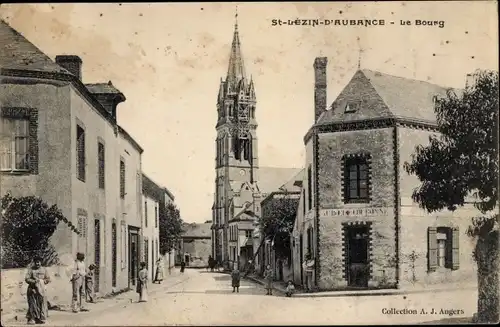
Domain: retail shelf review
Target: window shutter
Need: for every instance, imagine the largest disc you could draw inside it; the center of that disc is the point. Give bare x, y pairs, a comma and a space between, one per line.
455, 240
432, 250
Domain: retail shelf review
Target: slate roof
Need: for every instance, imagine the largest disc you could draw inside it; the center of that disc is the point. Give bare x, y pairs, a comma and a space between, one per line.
290, 186
102, 88
16, 52
150, 188
271, 178
197, 230
382, 95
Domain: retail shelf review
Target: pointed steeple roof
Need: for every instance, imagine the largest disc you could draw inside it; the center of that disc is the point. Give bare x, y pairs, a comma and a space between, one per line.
236, 68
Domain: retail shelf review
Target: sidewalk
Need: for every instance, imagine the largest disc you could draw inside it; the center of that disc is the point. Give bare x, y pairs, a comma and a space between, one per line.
17, 317
281, 287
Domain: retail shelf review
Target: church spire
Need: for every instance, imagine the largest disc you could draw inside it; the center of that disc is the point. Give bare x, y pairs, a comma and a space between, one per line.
236, 69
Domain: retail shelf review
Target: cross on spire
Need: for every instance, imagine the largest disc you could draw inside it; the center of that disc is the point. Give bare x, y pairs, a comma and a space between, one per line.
236, 69
236, 18
359, 53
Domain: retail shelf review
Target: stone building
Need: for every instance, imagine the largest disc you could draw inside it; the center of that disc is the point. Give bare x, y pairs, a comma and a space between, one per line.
240, 183
357, 218
60, 140
195, 244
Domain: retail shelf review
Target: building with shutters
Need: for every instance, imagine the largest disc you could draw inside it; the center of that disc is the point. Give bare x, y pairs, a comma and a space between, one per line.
357, 219
60, 140
151, 199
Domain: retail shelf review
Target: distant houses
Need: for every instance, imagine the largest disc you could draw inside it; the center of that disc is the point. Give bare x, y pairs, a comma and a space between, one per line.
195, 245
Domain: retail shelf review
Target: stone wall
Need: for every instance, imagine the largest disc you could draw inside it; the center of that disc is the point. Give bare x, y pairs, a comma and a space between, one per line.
14, 288
379, 145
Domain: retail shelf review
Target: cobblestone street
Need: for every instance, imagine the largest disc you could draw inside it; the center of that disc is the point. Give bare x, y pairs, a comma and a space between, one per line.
203, 298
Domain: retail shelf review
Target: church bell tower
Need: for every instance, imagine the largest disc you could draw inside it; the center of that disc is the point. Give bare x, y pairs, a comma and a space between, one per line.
236, 159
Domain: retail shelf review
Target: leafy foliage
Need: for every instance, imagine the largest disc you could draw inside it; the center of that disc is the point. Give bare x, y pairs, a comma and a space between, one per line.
170, 227
487, 256
278, 217
27, 225
462, 159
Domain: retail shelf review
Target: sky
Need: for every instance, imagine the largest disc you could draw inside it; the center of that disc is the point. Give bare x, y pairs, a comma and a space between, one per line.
168, 59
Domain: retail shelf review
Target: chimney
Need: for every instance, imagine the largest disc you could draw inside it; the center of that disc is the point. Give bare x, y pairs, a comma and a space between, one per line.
469, 80
320, 64
71, 63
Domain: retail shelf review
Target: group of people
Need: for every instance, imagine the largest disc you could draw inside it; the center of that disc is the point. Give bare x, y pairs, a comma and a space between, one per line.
82, 281
142, 280
37, 277
268, 276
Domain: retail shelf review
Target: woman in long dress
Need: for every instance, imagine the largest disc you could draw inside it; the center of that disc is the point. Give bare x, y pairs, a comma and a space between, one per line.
142, 283
36, 278
159, 271
269, 276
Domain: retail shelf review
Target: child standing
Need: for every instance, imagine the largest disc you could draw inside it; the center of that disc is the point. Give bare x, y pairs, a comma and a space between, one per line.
290, 289
235, 279
89, 284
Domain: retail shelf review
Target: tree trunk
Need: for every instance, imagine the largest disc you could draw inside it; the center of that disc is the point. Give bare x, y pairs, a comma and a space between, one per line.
255, 255
487, 258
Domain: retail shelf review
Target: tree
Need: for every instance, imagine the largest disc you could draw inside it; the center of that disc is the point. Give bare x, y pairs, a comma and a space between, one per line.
170, 227
463, 160
27, 225
276, 223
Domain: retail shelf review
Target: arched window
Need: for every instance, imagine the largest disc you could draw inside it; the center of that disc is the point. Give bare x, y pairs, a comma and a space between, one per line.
247, 148
236, 147
218, 151
225, 148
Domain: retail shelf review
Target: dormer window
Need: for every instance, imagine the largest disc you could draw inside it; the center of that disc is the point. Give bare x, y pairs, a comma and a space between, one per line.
349, 108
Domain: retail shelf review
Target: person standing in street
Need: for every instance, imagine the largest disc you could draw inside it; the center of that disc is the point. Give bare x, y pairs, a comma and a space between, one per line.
269, 276
235, 279
209, 262
142, 283
89, 284
308, 267
183, 265
290, 289
36, 278
159, 271
78, 283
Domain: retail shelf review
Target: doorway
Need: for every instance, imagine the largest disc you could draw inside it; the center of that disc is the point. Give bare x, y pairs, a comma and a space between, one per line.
357, 256
114, 241
97, 252
133, 240
301, 253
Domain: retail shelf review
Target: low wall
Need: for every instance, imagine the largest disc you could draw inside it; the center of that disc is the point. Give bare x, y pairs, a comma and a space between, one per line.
168, 261
13, 288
